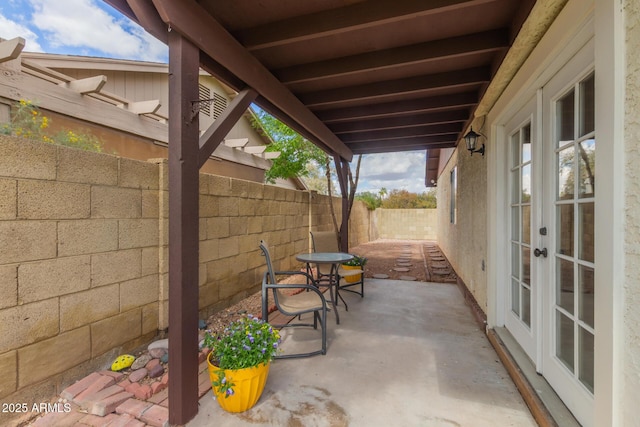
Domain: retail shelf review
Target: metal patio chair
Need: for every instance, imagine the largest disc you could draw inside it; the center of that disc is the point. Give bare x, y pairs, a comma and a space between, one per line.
308, 300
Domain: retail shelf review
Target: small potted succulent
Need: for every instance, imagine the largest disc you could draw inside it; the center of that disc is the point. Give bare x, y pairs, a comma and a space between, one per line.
239, 361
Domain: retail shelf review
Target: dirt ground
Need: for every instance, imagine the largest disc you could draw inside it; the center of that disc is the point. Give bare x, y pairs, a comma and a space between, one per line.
397, 259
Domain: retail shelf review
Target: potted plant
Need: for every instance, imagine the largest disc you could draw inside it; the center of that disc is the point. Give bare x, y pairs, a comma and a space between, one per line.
239, 361
356, 263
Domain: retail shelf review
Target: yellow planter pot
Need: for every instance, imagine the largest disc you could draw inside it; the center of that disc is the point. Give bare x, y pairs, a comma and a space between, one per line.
248, 386
352, 279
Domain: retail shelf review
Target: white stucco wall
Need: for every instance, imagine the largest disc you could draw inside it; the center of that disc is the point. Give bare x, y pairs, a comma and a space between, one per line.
465, 242
632, 213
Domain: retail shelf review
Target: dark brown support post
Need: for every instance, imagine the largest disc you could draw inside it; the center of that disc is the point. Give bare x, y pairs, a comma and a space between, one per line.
183, 229
342, 172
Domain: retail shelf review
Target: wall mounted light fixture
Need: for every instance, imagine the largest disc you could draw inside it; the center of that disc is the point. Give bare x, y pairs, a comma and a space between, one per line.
471, 138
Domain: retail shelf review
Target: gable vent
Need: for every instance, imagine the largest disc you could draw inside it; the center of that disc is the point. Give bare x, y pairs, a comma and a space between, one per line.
205, 93
219, 105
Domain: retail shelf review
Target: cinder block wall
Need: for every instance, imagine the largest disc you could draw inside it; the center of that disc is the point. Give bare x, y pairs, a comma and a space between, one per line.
406, 224
84, 256
78, 263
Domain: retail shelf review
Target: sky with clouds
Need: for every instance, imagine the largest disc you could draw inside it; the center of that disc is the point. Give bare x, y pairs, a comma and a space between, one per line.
93, 28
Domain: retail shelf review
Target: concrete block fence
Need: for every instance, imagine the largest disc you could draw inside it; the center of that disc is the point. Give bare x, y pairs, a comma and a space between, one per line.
84, 256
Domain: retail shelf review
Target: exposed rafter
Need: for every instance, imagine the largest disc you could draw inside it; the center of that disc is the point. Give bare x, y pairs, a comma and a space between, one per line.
381, 91
88, 85
330, 22
396, 57
450, 116
390, 134
384, 147
10, 49
442, 102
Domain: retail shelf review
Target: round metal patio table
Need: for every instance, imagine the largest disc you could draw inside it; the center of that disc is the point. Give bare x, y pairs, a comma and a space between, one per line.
333, 258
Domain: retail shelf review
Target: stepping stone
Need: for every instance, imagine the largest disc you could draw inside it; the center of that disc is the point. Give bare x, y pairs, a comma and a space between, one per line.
410, 278
402, 269
404, 264
380, 276
441, 271
439, 264
403, 259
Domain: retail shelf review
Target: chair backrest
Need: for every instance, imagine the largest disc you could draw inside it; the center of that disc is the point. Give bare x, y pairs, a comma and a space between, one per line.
265, 252
324, 241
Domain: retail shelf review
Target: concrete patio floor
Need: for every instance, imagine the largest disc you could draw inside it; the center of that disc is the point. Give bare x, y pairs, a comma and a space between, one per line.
407, 354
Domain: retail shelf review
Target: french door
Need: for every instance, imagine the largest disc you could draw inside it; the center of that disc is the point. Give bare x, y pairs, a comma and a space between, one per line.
569, 197
549, 307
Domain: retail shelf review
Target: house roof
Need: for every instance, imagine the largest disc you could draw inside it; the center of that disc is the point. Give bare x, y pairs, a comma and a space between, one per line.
354, 77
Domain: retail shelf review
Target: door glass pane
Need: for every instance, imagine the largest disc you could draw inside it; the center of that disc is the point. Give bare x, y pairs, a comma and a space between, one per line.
586, 234
565, 173
515, 186
515, 223
526, 224
587, 106
515, 297
526, 143
564, 340
585, 373
587, 167
565, 109
526, 183
526, 265
586, 294
564, 285
515, 261
526, 306
564, 223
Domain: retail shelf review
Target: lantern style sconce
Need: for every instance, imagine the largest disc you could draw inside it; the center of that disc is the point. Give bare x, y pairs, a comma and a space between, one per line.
471, 138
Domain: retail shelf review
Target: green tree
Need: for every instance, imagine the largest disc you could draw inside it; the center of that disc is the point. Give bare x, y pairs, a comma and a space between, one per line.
383, 192
403, 199
371, 200
296, 152
300, 157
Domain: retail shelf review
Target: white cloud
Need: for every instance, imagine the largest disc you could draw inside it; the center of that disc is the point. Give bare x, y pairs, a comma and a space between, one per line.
403, 171
82, 24
10, 29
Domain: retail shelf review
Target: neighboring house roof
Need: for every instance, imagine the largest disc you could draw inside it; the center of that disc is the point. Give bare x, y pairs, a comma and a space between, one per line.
49, 77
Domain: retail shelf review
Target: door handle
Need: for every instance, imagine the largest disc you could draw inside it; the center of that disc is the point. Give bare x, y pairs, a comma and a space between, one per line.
537, 252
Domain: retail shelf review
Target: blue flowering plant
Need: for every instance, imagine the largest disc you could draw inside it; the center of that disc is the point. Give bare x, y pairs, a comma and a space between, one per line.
245, 343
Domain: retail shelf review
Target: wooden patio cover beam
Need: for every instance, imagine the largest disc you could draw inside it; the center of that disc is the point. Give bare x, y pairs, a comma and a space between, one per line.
337, 21
441, 141
456, 101
451, 116
402, 133
393, 149
192, 21
374, 92
396, 57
